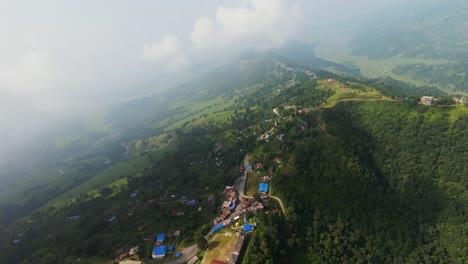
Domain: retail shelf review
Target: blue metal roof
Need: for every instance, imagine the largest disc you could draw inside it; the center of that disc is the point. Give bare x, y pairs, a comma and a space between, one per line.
263, 187
177, 254
160, 237
248, 227
161, 250
218, 227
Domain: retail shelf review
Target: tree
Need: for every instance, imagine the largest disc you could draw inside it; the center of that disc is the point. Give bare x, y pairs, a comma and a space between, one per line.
202, 243
257, 197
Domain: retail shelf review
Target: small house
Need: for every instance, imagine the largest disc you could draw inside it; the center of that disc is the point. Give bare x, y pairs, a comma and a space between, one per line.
426, 100
226, 204
122, 256
159, 252
217, 227
263, 188
170, 249
132, 251
249, 228
258, 165
191, 202
218, 262
160, 238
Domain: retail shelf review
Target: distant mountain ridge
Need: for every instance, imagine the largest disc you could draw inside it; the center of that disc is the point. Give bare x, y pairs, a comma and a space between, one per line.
437, 31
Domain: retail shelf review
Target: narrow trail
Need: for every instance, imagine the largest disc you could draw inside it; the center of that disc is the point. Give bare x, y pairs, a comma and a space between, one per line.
280, 203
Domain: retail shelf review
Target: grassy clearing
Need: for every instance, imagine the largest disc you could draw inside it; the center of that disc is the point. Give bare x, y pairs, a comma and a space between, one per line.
253, 180
220, 247
366, 93
215, 110
458, 111
110, 175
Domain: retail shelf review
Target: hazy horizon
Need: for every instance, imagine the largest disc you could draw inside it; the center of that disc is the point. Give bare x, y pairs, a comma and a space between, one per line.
66, 58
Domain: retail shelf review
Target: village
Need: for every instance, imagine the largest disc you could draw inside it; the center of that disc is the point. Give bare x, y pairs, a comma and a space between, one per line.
236, 219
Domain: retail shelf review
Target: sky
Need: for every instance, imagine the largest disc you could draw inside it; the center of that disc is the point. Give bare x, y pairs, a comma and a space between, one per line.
63, 58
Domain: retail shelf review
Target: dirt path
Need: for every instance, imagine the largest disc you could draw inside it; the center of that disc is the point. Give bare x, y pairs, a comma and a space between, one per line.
243, 179
280, 203
187, 254
275, 110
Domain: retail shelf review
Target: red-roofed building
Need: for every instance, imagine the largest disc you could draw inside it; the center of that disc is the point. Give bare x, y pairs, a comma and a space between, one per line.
218, 262
258, 165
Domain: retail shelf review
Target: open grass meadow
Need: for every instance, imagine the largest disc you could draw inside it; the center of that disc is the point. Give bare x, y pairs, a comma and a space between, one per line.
112, 176
220, 247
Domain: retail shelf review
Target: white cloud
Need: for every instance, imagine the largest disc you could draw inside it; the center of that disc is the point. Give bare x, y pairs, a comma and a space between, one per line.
168, 51
30, 80
261, 23
31, 74
169, 46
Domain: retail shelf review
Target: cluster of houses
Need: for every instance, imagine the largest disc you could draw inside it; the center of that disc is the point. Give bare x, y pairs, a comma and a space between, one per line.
226, 209
309, 73
160, 250
232, 211
430, 100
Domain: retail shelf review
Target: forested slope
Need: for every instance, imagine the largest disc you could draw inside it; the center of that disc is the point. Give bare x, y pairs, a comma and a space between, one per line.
386, 183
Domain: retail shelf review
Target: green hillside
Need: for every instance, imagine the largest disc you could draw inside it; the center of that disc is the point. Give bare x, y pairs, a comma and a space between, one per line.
363, 177
384, 183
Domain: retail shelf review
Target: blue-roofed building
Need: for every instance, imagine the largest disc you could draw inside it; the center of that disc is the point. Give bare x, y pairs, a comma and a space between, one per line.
112, 219
249, 228
218, 227
249, 166
160, 238
170, 249
159, 252
263, 188
191, 202
233, 205
183, 197
178, 254
267, 120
